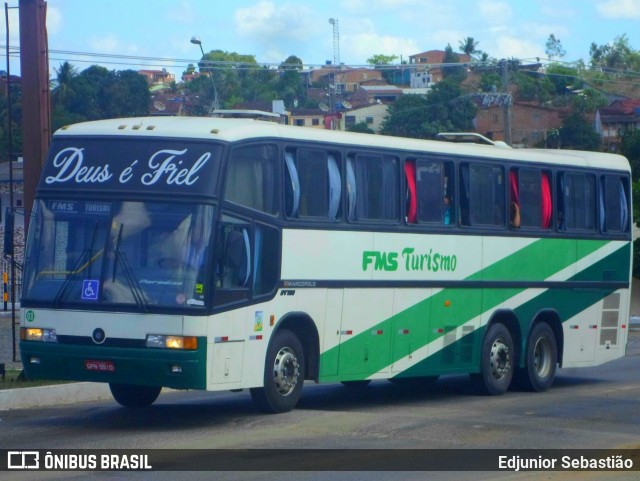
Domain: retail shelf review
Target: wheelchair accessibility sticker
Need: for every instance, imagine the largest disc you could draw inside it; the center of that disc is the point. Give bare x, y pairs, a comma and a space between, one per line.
90, 289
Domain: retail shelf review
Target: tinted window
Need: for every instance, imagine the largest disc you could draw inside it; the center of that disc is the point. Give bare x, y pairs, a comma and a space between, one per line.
483, 196
251, 178
372, 183
313, 185
577, 209
434, 189
614, 207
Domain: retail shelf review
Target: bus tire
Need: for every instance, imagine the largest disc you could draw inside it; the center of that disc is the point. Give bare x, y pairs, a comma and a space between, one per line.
283, 374
496, 362
541, 360
132, 396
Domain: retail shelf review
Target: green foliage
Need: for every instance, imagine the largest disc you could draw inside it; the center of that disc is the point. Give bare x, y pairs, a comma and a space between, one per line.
588, 101
634, 159
636, 258
361, 127
468, 45
533, 86
577, 133
453, 73
630, 148
618, 55
442, 109
490, 81
554, 47
381, 59
97, 93
563, 77
16, 121
290, 86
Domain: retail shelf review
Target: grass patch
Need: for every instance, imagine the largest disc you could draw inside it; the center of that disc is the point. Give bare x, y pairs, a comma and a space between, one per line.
14, 378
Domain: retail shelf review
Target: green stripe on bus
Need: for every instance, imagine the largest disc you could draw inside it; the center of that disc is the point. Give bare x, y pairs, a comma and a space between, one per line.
431, 318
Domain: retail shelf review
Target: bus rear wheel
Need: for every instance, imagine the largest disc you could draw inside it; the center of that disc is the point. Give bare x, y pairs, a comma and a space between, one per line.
283, 374
540, 361
496, 362
133, 396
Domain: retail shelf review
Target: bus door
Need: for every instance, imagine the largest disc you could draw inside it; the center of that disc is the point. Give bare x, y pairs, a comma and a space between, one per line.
232, 273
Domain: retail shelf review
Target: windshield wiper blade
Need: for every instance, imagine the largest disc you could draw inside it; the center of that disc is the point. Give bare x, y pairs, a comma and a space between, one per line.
132, 280
85, 259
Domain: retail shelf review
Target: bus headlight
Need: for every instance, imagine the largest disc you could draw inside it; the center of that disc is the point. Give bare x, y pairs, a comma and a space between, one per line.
172, 342
38, 334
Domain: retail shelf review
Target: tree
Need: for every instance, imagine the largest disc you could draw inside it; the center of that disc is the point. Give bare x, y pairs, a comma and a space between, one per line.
563, 77
361, 127
554, 47
469, 46
64, 79
618, 55
630, 148
532, 86
290, 86
458, 74
126, 95
98, 93
443, 109
381, 59
577, 133
390, 74
16, 121
228, 71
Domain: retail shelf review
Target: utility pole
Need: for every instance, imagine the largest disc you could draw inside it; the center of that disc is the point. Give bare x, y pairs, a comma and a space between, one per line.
34, 69
506, 109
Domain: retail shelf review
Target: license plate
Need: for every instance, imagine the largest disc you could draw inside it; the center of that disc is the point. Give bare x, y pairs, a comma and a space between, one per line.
100, 366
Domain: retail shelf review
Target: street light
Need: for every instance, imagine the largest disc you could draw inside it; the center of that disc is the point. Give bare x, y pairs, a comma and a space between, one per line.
215, 105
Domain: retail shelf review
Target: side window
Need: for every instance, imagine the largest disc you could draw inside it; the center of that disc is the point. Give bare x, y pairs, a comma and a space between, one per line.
251, 178
372, 187
613, 204
482, 196
233, 261
530, 202
312, 184
577, 201
247, 260
431, 199
266, 259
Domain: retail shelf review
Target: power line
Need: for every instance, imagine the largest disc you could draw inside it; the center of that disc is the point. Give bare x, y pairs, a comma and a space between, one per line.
183, 63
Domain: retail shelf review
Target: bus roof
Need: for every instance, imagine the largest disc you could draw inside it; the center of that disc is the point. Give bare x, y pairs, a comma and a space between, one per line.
232, 129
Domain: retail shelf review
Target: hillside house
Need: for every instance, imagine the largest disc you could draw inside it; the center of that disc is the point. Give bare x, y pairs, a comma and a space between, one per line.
613, 121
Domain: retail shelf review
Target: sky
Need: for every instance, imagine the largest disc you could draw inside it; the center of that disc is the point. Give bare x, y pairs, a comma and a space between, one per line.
271, 30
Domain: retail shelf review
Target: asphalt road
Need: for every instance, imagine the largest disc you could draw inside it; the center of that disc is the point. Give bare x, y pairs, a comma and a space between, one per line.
586, 408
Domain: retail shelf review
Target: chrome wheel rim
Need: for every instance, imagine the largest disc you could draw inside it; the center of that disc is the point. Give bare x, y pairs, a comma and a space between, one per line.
542, 357
286, 370
500, 359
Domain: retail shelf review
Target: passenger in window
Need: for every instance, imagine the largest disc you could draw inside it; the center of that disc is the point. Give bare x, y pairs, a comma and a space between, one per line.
446, 216
514, 215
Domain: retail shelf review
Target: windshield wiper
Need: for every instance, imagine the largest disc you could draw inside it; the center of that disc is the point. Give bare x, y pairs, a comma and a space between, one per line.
85, 259
130, 277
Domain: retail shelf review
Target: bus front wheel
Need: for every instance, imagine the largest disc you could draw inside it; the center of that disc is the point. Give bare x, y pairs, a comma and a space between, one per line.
496, 362
540, 361
133, 396
283, 374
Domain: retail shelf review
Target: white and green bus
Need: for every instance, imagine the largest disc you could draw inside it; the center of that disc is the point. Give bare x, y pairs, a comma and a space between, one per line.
224, 254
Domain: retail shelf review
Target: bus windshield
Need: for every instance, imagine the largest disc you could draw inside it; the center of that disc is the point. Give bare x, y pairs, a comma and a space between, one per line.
138, 255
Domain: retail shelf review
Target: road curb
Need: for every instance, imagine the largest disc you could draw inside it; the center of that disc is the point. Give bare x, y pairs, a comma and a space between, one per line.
42, 396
